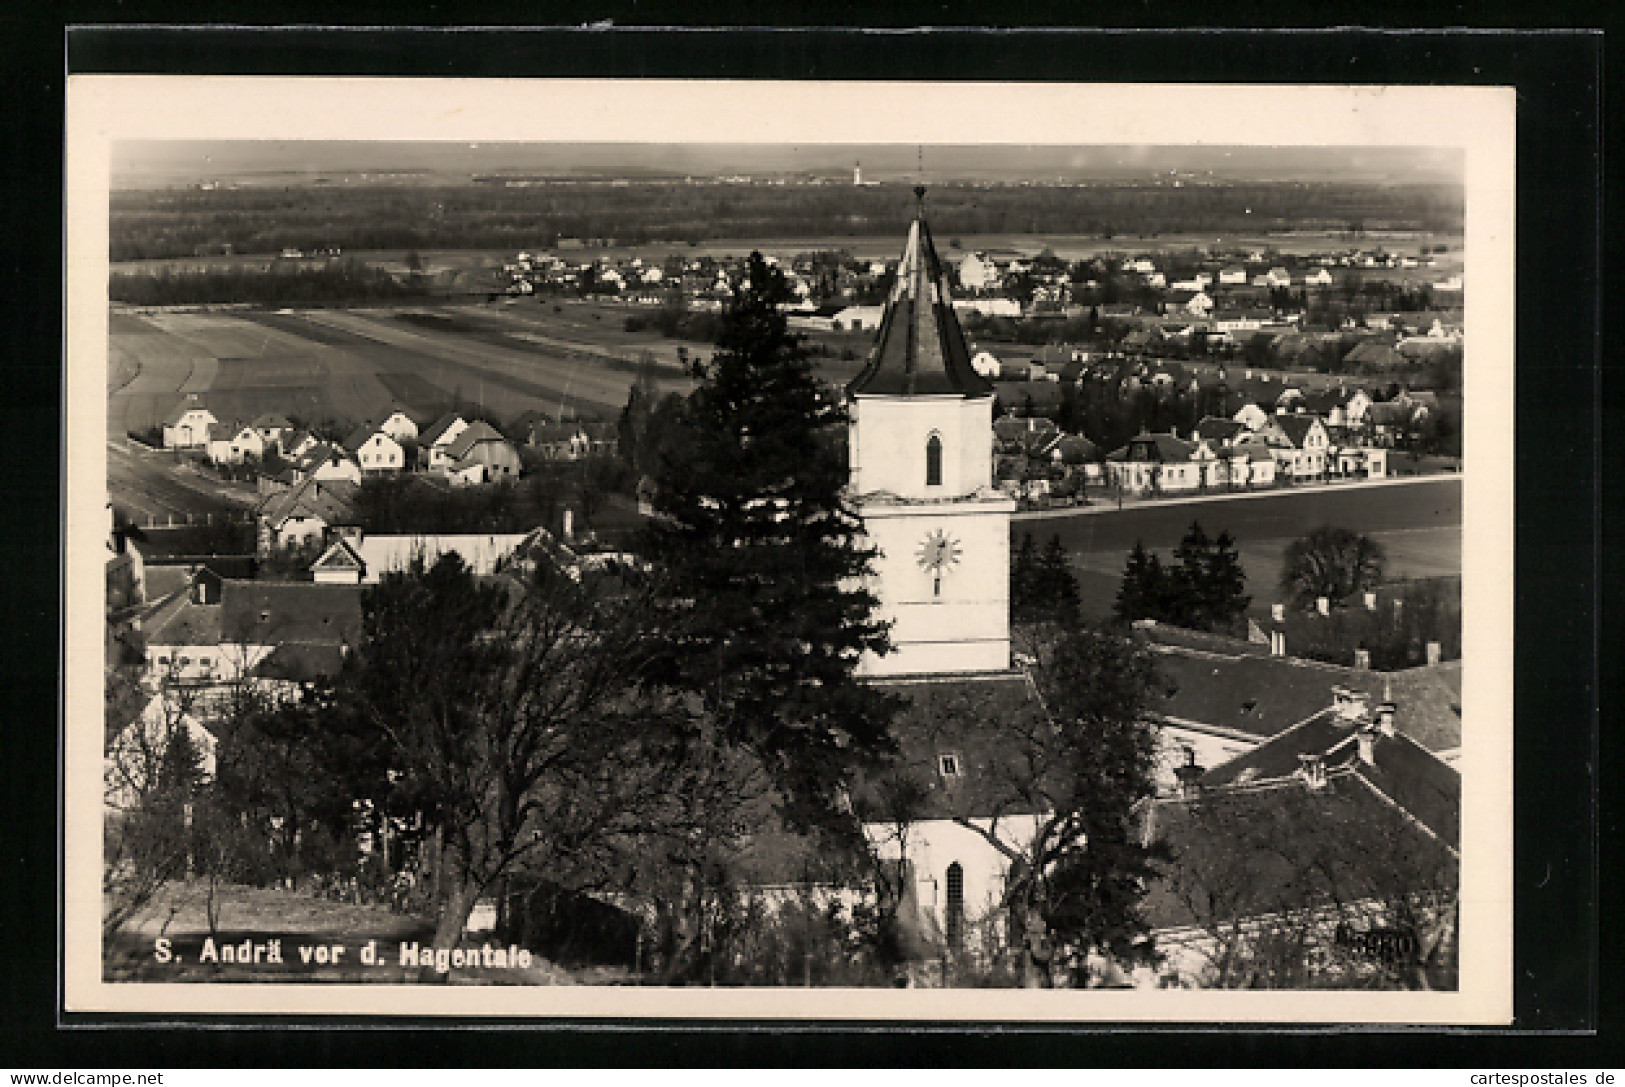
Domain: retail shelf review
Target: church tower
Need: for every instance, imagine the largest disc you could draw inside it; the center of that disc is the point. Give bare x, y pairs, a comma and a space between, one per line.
921, 459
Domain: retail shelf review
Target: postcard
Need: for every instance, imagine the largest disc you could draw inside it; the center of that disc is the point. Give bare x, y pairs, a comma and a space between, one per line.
788, 551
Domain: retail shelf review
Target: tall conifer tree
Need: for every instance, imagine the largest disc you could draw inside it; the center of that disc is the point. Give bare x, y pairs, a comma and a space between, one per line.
764, 560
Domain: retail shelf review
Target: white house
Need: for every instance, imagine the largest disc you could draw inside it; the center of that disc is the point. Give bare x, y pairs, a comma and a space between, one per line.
244, 443
1303, 456
438, 439
400, 426
375, 451
187, 425
985, 363
1320, 277
1155, 464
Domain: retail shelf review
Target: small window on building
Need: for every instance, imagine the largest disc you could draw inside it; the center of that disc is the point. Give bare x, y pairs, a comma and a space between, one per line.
949, 766
933, 461
184, 661
954, 911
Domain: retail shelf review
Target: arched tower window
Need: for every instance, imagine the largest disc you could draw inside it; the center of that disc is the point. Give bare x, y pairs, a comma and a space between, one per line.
954, 912
933, 461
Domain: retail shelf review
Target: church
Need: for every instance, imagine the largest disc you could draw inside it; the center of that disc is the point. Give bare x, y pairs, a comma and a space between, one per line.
921, 460
921, 463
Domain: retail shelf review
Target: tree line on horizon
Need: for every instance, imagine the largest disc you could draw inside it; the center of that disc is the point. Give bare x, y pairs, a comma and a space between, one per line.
173, 223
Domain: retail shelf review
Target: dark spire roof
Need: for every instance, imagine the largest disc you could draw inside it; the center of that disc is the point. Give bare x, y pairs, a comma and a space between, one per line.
921, 350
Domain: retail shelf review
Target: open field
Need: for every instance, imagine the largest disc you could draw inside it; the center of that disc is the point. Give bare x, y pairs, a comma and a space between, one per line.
346, 366
1418, 523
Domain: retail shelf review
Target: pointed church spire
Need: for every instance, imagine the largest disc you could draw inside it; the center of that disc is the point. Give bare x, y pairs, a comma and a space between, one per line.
921, 349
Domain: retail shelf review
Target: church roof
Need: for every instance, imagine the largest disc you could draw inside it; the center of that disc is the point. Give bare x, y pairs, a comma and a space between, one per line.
921, 349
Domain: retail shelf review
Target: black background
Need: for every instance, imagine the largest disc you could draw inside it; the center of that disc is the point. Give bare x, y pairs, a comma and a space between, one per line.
1561, 498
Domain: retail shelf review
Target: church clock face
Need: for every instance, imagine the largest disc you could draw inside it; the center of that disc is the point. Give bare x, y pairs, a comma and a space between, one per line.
938, 554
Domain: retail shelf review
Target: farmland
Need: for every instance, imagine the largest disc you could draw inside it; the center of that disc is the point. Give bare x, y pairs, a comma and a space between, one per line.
342, 367
1419, 524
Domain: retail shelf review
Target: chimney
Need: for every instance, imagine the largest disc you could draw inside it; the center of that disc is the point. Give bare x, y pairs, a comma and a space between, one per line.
1366, 741
1435, 652
1312, 768
1386, 710
1278, 612
1370, 601
1323, 605
1362, 659
1190, 781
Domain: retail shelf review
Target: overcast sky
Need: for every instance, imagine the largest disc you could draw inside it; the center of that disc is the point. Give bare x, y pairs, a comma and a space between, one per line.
149, 163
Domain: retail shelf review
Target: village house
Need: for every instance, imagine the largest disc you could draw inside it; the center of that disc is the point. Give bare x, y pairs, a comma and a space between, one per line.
480, 455
297, 443
187, 425
1253, 417
400, 426
986, 363
135, 757
374, 450
326, 463
272, 429
243, 442
222, 630
1303, 455
1338, 832
1227, 696
1195, 303
305, 515
437, 441
1154, 464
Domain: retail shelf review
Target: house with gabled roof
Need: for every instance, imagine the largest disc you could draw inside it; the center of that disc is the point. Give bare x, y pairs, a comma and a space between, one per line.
272, 428
187, 425
1154, 464
400, 426
327, 463
340, 564
374, 450
306, 514
1303, 453
481, 455
438, 438
297, 442
234, 443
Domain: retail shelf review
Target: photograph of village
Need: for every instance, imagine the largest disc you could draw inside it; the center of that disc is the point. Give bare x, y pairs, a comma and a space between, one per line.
825, 566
